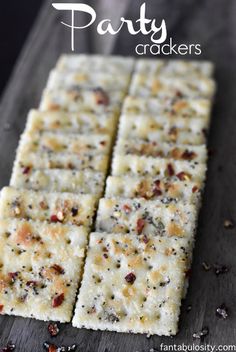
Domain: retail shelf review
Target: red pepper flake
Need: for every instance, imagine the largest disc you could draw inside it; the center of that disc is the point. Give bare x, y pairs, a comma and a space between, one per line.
103, 143
157, 188
53, 348
13, 276
54, 218
10, 347
145, 239
53, 329
31, 283
228, 224
105, 255
188, 155
130, 278
58, 300
127, 208
140, 225
1, 308
101, 96
170, 170
183, 176
50, 347
179, 94
26, 170
194, 189
58, 269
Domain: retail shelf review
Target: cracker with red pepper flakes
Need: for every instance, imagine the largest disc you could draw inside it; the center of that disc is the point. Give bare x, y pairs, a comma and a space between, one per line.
69, 79
58, 180
141, 147
177, 68
40, 268
64, 208
168, 108
71, 143
76, 100
84, 122
114, 64
171, 86
137, 287
158, 167
140, 217
163, 130
167, 189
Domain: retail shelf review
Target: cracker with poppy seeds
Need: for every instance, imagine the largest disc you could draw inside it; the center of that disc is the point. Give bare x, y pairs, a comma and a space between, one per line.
83, 122
58, 180
141, 147
80, 80
65, 208
171, 87
49, 160
130, 285
178, 130
41, 266
75, 100
144, 218
177, 68
158, 167
166, 189
94, 63
168, 108
72, 143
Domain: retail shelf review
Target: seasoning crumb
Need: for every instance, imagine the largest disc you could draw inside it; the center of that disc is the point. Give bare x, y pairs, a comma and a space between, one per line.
206, 266
222, 312
189, 308
10, 347
201, 334
228, 224
220, 269
53, 329
53, 348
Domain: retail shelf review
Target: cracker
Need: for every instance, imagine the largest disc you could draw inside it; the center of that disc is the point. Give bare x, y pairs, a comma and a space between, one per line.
164, 150
48, 160
104, 80
51, 142
171, 87
168, 108
40, 270
56, 180
178, 130
66, 208
148, 166
76, 100
87, 63
168, 189
132, 286
62, 122
147, 218
175, 68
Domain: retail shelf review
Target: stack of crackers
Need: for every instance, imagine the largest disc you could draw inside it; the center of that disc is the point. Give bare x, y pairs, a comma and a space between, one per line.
138, 260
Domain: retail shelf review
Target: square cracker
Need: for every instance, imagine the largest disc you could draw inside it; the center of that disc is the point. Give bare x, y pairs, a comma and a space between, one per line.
70, 79
63, 122
178, 130
172, 87
141, 147
147, 218
76, 100
148, 166
175, 68
87, 63
57, 180
132, 286
167, 189
41, 266
65, 208
168, 108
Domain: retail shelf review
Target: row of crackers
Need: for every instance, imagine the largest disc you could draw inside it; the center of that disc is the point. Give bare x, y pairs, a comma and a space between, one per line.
138, 261
57, 180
